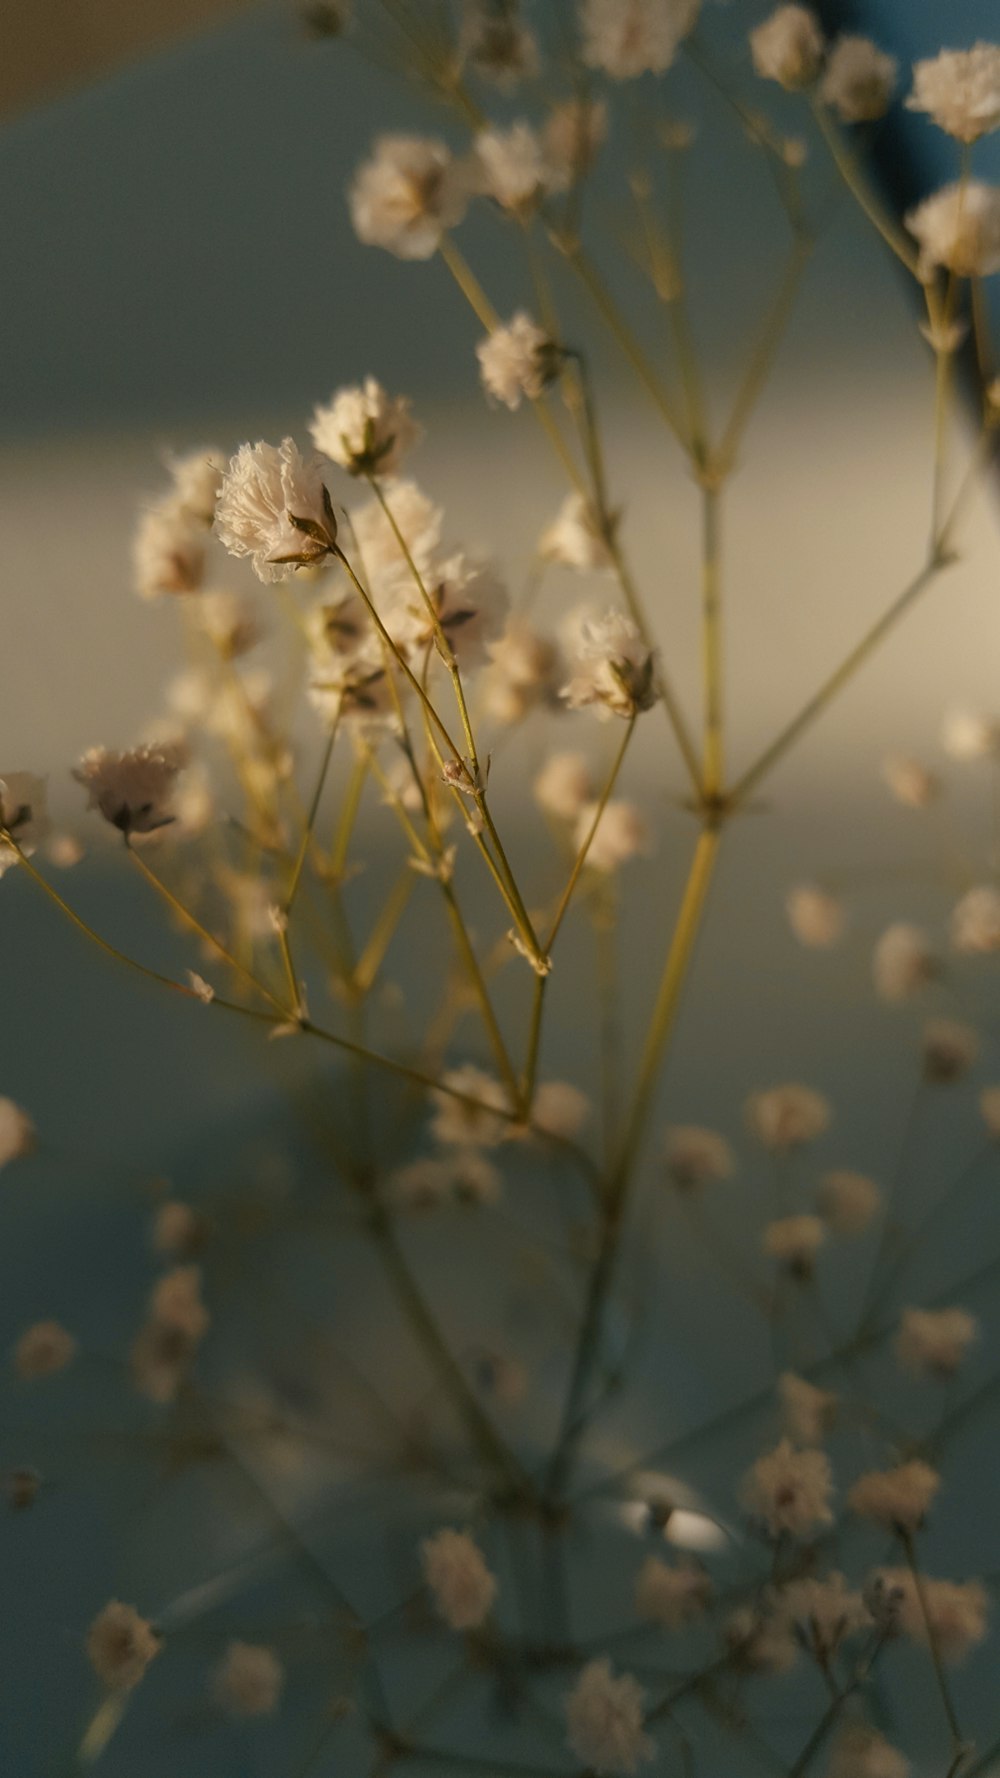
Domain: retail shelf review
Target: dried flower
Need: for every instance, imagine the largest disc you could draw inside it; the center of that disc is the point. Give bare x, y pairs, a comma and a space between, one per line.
614, 670
934, 1342
468, 598
120, 1646
563, 786
697, 1157
794, 1241
621, 833
759, 1643
559, 1109
168, 551
910, 782
520, 674
132, 790
604, 1718
229, 622
975, 920
364, 430
248, 1680
496, 45
457, 1575
17, 1132
898, 1498
815, 916
175, 1302
858, 79
43, 1350
950, 1049
788, 47
787, 1116
476, 1118
671, 1595
23, 815
823, 1613
808, 1413
407, 195
573, 136
903, 962
790, 1490
959, 228
848, 1201
952, 1612
511, 166
627, 38
197, 478
274, 508
960, 91
576, 537
178, 1231
861, 1752
517, 360
417, 520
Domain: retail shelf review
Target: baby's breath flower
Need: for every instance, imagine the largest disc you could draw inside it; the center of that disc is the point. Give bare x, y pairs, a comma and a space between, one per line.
178, 1231
960, 91
120, 1646
959, 228
23, 814
175, 1302
847, 1201
898, 1498
614, 670
512, 166
274, 508
229, 622
132, 790
903, 962
952, 1613
788, 47
575, 538
471, 1178
417, 520
573, 135
858, 80
859, 1751
808, 1413
949, 1050
934, 1342
517, 360
520, 674
787, 1116
910, 782
197, 478
496, 45
967, 736
248, 1680
604, 1719
456, 1573
469, 599
17, 1132
363, 429
42, 1350
407, 195
470, 1125
168, 550
815, 916
759, 1643
975, 920
822, 1612
794, 1241
790, 1490
989, 1110
621, 833
697, 1157
563, 786
671, 1594
559, 1109
627, 38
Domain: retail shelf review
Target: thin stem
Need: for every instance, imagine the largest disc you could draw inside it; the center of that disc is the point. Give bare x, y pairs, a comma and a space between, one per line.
581, 857
764, 352
850, 172
625, 338
189, 919
947, 1702
711, 625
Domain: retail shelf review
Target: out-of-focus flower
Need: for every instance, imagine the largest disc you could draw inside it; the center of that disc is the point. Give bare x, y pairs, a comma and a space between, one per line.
787, 1116
517, 361
621, 833
794, 1241
475, 1119
858, 79
823, 1612
960, 90
808, 1413
563, 786
934, 1342
248, 1680
168, 550
848, 1201
604, 1718
671, 1594
975, 920
512, 166
459, 1580
120, 1646
788, 47
790, 1490
408, 195
967, 736
573, 136
132, 790
959, 228
495, 43
17, 1132
898, 1498
815, 916
627, 38
697, 1157
949, 1050
43, 1350
903, 962
613, 668
23, 814
859, 1751
575, 538
910, 782
952, 1613
365, 430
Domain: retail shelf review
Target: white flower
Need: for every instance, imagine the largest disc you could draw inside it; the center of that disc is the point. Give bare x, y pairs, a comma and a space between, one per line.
229, 622
613, 667
671, 1595
417, 519
787, 1116
604, 1718
516, 361
933, 1342
848, 1201
131, 790
407, 195
858, 79
572, 137
197, 478
808, 1413
520, 674
760, 1644
168, 550
960, 90
480, 1124
824, 1612
903, 962
959, 228
364, 430
274, 508
621, 833
910, 782
17, 1132
816, 917
24, 815
457, 1575
967, 736
951, 1613
496, 45
175, 1302
512, 167
790, 1490
575, 538
975, 920
120, 1645
949, 1049
559, 1109
42, 1350
788, 47
563, 786
897, 1498
627, 38
697, 1157
861, 1752
794, 1241
248, 1680
470, 602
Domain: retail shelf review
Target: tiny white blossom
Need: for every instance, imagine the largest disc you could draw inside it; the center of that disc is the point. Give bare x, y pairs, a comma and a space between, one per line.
573, 136
975, 920
132, 790
951, 1614
794, 1242
274, 508
23, 814
613, 668
671, 1595
574, 538
417, 519
858, 79
479, 1124
790, 1490
604, 1718
823, 1612
516, 360
848, 1201
697, 1157
903, 962
787, 1116
469, 599
248, 1680
521, 672
17, 1132
197, 478
363, 429
627, 38
934, 1342
168, 550
512, 166
910, 782
788, 47
960, 91
563, 786
621, 834
967, 736
456, 1573
204, 990
229, 622
120, 1645
897, 1498
815, 916
407, 195
496, 45
808, 1413
559, 1109
959, 228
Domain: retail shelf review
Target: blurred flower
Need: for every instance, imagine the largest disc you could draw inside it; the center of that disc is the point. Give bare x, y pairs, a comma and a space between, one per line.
790, 1490
959, 228
787, 1116
975, 920
960, 91
613, 668
949, 1049
671, 1594
627, 38
808, 1413
248, 1680
903, 962
364, 430
575, 537
457, 1575
621, 833
24, 815
120, 1646
899, 1498
42, 1350
17, 1132
788, 47
517, 360
933, 1342
604, 1718
132, 790
858, 80
697, 1157
815, 916
848, 1201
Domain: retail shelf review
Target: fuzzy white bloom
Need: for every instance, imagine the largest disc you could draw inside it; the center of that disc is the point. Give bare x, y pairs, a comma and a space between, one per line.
248, 1680
175, 1302
468, 597
807, 1413
823, 1612
960, 91
457, 1575
177, 1229
989, 1110
760, 1643
43, 1350
934, 1342
574, 537
859, 1751
604, 1719
417, 519
910, 782
949, 1050
24, 815
794, 1241
614, 669
559, 1109
788, 47
671, 1594
573, 135
470, 1125
787, 1116
952, 1613
816, 917
967, 736
516, 361
959, 228
274, 508
627, 38
790, 1490
697, 1157
902, 962
975, 920
496, 45
407, 195
132, 790
520, 674
511, 166
563, 786
120, 1646
858, 79
229, 622
17, 1132
897, 1498
848, 1201
621, 834
197, 478
363, 429
168, 550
